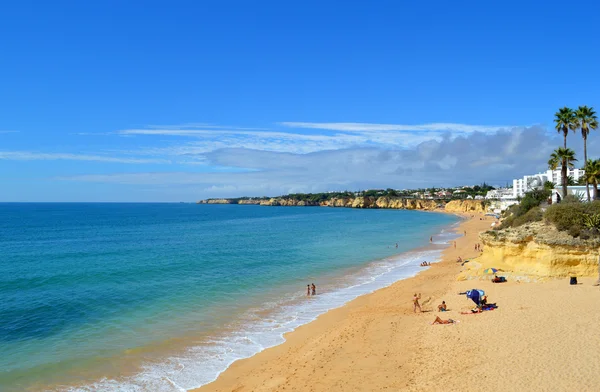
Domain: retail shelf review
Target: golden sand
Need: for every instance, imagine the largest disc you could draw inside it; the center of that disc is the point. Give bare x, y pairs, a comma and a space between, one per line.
543, 336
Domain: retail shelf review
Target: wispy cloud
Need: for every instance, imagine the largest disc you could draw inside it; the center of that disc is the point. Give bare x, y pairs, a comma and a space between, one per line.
495, 157
368, 127
37, 156
322, 137
201, 125
210, 139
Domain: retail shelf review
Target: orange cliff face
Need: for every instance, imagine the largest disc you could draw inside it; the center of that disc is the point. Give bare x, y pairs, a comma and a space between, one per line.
538, 249
475, 206
461, 206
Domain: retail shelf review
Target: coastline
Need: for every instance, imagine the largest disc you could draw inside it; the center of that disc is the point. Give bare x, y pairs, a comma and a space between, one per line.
336, 351
241, 338
543, 336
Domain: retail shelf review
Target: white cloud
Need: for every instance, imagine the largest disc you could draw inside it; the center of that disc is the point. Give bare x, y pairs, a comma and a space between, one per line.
37, 156
200, 125
206, 140
496, 158
368, 127
332, 136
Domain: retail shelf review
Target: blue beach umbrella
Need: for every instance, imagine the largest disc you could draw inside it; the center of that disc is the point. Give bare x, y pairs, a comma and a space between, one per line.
475, 295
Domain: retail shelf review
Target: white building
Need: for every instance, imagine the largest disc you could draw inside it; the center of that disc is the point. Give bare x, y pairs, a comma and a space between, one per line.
500, 193
578, 191
536, 181
501, 199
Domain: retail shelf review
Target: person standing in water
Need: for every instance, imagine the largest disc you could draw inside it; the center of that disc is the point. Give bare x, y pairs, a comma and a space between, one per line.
314, 289
308, 290
431, 239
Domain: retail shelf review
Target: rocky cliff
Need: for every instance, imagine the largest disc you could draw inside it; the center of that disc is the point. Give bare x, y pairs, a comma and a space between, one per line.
218, 201
539, 249
460, 206
249, 201
287, 202
473, 206
359, 202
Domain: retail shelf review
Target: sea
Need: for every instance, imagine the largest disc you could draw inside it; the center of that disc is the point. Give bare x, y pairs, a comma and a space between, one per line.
164, 297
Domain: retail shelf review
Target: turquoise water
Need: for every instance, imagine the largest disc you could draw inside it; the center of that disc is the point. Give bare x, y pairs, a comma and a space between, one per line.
153, 297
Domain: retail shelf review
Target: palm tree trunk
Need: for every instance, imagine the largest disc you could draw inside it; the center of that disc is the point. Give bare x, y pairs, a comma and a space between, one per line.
587, 185
596, 195
563, 174
565, 133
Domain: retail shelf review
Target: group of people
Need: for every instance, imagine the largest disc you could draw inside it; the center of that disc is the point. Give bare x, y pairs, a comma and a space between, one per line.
478, 247
498, 279
481, 302
311, 289
425, 264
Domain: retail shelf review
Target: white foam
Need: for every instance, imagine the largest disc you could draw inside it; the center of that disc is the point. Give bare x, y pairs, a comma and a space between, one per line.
202, 364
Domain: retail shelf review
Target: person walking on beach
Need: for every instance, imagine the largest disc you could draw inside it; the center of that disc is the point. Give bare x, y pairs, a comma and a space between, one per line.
314, 289
308, 290
416, 303
454, 244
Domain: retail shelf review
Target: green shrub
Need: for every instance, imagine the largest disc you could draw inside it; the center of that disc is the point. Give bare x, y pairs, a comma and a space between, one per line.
533, 215
569, 199
574, 231
592, 221
527, 210
572, 217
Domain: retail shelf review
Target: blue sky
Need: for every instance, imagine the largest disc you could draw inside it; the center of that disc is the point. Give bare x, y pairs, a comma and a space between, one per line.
182, 100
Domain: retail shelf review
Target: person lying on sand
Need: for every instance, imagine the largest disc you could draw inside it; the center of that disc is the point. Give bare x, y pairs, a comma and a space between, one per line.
442, 307
498, 279
438, 320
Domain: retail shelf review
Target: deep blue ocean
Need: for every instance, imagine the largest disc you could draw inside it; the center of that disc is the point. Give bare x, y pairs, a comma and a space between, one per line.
163, 297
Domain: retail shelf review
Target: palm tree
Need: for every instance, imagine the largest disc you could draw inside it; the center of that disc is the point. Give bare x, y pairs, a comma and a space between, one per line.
586, 120
592, 175
565, 158
565, 119
549, 185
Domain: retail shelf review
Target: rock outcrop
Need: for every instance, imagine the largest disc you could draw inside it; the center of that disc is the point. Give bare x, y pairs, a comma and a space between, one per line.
338, 202
218, 201
460, 206
249, 201
473, 206
539, 249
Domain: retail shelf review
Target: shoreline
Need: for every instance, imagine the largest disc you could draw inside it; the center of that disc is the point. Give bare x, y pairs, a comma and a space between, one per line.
245, 373
366, 279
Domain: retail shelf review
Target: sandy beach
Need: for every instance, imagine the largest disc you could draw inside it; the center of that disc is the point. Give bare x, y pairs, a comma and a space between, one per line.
543, 336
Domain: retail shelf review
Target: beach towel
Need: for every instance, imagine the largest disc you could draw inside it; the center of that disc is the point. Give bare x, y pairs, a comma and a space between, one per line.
485, 308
